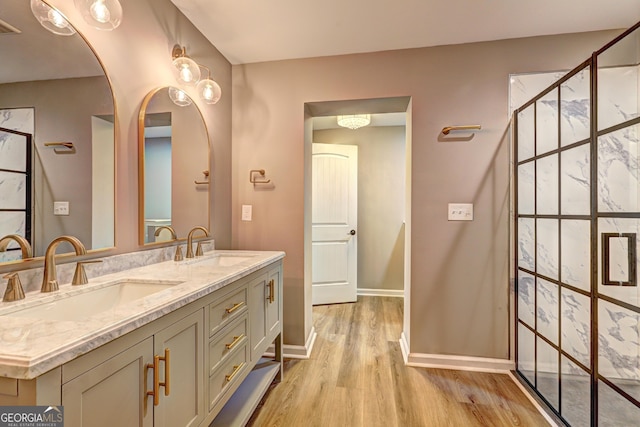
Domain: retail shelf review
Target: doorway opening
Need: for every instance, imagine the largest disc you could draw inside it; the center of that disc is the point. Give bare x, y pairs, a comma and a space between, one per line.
375, 241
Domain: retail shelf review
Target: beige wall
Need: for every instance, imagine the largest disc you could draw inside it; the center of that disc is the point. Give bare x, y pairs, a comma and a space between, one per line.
137, 58
61, 177
381, 176
459, 271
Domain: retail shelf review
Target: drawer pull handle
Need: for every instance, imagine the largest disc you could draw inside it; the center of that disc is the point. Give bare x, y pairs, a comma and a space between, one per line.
236, 369
235, 307
235, 342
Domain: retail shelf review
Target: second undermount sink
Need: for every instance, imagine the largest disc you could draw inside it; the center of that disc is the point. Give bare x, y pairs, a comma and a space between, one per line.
220, 259
78, 306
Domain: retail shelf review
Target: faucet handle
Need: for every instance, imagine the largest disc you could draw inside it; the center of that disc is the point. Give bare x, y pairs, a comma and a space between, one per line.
14, 291
199, 249
80, 275
178, 256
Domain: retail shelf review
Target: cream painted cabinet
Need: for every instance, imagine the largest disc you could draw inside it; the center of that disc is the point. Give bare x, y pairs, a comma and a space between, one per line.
109, 394
273, 304
265, 310
156, 382
199, 365
182, 371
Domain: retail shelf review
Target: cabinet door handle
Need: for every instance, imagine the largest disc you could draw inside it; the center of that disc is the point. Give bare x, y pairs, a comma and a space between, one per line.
269, 290
167, 369
236, 369
272, 293
235, 342
156, 380
235, 307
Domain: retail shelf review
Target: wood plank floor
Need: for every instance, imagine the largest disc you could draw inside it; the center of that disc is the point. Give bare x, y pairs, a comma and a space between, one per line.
356, 377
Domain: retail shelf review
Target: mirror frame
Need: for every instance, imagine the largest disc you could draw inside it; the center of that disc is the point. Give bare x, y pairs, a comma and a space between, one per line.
141, 162
91, 253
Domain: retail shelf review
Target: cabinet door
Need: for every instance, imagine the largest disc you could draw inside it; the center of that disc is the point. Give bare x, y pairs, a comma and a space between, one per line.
113, 393
273, 303
183, 405
257, 300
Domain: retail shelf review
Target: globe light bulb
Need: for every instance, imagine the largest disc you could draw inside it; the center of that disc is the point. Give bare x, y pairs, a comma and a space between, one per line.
105, 15
185, 74
179, 97
57, 19
100, 12
209, 91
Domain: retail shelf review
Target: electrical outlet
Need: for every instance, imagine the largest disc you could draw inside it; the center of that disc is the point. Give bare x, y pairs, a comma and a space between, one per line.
247, 211
61, 208
460, 212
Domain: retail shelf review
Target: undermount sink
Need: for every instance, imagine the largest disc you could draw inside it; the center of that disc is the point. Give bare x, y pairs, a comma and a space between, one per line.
79, 306
220, 260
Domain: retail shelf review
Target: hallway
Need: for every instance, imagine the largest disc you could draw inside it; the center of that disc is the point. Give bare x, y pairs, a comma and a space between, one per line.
356, 377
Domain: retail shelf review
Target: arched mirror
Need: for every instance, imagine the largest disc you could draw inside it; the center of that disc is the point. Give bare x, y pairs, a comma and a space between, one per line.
174, 167
57, 140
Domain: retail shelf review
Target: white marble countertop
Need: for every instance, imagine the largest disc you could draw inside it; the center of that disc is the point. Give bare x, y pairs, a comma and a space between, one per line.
31, 346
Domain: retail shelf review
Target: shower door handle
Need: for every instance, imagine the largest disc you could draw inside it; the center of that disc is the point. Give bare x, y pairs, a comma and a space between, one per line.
619, 259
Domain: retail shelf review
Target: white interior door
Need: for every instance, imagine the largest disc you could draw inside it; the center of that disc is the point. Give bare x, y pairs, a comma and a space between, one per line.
334, 223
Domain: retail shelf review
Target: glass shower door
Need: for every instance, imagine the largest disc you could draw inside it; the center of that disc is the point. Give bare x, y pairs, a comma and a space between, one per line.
618, 226
577, 177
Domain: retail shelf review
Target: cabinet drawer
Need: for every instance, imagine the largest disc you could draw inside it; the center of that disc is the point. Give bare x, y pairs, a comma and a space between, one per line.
221, 348
229, 372
223, 312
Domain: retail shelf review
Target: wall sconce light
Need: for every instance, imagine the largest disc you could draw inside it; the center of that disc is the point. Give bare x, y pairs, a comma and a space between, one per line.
179, 97
51, 19
354, 121
101, 14
208, 90
187, 71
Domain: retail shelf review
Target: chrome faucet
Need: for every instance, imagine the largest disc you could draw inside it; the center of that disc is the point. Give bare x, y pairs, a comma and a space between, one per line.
27, 252
190, 241
174, 236
49, 279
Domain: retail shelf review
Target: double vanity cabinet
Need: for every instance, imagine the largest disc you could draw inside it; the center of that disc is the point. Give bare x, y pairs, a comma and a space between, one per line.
199, 361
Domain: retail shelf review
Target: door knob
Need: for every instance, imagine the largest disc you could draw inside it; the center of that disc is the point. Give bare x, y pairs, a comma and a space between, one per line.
352, 232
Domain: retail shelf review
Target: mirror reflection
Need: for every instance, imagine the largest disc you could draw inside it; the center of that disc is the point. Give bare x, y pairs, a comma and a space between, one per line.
56, 137
174, 168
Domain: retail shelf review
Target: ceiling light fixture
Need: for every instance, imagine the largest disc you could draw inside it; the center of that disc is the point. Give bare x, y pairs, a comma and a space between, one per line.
51, 19
354, 121
187, 71
101, 14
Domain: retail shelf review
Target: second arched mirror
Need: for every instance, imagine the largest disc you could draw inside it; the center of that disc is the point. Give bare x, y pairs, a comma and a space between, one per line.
173, 167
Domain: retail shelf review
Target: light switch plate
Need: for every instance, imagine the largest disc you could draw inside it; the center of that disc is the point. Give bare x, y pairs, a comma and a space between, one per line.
61, 208
460, 212
247, 211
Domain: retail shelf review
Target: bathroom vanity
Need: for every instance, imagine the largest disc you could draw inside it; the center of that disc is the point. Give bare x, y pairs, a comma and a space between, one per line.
168, 344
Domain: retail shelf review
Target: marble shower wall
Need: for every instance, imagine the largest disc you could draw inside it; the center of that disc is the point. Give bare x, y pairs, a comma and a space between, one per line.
618, 191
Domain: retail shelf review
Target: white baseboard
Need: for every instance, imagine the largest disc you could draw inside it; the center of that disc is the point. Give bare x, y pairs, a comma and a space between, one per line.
535, 403
460, 363
404, 347
296, 351
397, 293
